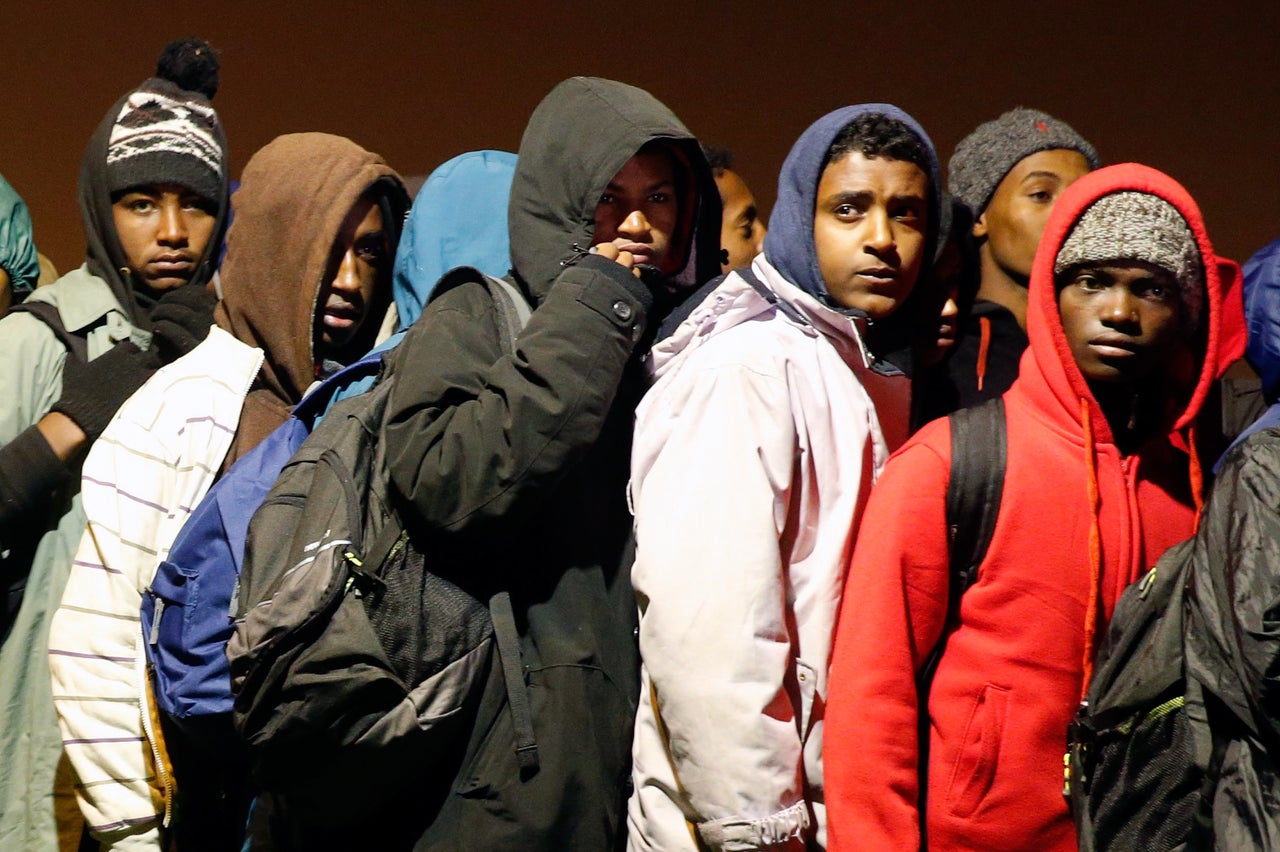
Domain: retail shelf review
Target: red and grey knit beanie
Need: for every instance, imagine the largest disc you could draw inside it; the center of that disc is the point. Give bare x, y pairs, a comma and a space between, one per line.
990, 152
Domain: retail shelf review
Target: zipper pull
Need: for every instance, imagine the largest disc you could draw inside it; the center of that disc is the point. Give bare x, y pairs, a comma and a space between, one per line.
153, 637
1147, 582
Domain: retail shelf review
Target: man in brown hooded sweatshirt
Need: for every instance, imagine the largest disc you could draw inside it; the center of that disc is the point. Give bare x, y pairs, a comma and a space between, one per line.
308, 269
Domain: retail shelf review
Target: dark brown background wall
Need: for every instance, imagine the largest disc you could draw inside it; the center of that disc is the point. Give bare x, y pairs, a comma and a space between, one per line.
1189, 88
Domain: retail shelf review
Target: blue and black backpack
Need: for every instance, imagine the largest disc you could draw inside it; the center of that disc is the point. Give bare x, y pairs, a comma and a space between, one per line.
187, 609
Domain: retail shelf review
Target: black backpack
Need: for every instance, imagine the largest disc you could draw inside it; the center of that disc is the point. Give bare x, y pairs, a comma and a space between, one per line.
1143, 757
356, 668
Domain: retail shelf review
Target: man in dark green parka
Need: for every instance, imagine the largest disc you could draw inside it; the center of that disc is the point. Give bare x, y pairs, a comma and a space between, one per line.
515, 467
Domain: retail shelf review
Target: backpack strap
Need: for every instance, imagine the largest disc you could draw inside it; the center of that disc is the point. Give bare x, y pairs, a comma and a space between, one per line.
513, 311
979, 454
508, 639
76, 344
771, 297
512, 306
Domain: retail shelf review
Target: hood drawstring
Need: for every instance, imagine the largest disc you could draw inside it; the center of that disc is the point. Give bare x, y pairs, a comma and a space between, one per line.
1095, 549
1095, 531
984, 344
1197, 472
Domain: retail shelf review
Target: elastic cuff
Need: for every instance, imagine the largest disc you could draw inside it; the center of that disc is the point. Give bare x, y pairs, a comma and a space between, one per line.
739, 834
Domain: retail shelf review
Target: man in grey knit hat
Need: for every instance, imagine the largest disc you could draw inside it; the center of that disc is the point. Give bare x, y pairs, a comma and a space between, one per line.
1009, 172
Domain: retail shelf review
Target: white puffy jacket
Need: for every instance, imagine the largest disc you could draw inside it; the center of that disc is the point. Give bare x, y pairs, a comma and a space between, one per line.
754, 453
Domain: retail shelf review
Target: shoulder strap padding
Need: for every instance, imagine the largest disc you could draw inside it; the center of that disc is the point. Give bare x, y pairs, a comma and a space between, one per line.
979, 454
76, 344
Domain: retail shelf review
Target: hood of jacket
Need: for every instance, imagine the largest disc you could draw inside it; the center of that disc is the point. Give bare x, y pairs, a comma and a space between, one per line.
294, 195
1262, 317
17, 245
458, 219
105, 257
577, 139
789, 242
1048, 371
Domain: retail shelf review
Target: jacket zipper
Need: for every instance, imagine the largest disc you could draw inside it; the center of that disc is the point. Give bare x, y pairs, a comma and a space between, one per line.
150, 734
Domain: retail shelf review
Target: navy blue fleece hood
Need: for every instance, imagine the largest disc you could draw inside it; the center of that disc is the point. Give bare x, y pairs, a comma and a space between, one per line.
789, 244
1262, 317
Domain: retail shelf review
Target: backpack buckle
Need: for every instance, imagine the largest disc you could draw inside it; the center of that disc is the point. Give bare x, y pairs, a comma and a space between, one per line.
359, 581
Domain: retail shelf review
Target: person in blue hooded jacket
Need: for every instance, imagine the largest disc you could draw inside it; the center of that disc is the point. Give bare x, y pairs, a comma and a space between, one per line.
458, 219
772, 411
19, 263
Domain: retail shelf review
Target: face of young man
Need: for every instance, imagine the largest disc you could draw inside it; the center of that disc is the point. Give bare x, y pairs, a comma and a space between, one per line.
869, 231
163, 230
941, 310
360, 261
1122, 319
741, 229
1017, 213
638, 211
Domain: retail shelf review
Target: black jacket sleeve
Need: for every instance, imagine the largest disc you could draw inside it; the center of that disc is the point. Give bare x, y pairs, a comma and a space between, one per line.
31, 474
473, 434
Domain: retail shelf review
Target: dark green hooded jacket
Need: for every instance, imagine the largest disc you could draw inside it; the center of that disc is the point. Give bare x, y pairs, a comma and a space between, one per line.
514, 469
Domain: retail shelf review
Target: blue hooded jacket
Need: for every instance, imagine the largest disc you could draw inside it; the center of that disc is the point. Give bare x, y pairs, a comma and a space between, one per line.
789, 244
17, 244
458, 219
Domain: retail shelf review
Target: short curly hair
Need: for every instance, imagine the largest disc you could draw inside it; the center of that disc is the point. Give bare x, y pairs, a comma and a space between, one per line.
874, 134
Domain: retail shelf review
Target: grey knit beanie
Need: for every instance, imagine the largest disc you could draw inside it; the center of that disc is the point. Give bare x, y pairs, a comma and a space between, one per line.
1138, 226
986, 155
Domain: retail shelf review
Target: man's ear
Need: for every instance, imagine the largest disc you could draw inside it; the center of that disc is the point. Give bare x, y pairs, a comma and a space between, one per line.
980, 226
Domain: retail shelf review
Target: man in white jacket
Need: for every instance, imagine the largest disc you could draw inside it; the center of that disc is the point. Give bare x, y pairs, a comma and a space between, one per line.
772, 412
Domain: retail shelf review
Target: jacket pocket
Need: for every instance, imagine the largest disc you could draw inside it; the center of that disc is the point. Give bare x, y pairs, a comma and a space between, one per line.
975, 766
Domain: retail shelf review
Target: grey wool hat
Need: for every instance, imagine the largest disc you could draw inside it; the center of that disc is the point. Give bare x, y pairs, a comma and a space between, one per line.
1138, 226
990, 152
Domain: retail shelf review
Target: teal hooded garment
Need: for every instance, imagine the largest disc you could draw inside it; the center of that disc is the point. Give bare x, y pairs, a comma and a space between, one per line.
17, 244
458, 219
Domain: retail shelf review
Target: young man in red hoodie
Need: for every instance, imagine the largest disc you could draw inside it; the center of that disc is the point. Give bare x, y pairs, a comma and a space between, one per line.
1124, 320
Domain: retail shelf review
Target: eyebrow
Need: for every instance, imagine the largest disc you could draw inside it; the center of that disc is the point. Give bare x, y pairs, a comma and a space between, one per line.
864, 195
748, 215
662, 184
849, 197
1042, 174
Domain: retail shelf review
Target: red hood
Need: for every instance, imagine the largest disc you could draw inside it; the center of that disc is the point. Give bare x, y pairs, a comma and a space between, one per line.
1048, 372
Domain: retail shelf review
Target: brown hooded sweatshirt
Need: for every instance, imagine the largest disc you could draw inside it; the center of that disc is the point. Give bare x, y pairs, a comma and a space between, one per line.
294, 195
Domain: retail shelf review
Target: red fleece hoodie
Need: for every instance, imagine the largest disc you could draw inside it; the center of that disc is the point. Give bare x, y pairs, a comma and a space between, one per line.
1078, 522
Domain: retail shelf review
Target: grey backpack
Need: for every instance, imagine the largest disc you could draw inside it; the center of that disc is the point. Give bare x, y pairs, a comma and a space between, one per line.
354, 665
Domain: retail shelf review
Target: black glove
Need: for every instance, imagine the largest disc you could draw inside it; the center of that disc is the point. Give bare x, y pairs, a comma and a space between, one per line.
92, 392
181, 320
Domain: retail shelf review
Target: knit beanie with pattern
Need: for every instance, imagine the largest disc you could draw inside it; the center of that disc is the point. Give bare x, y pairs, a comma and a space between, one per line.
167, 130
1138, 226
990, 152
